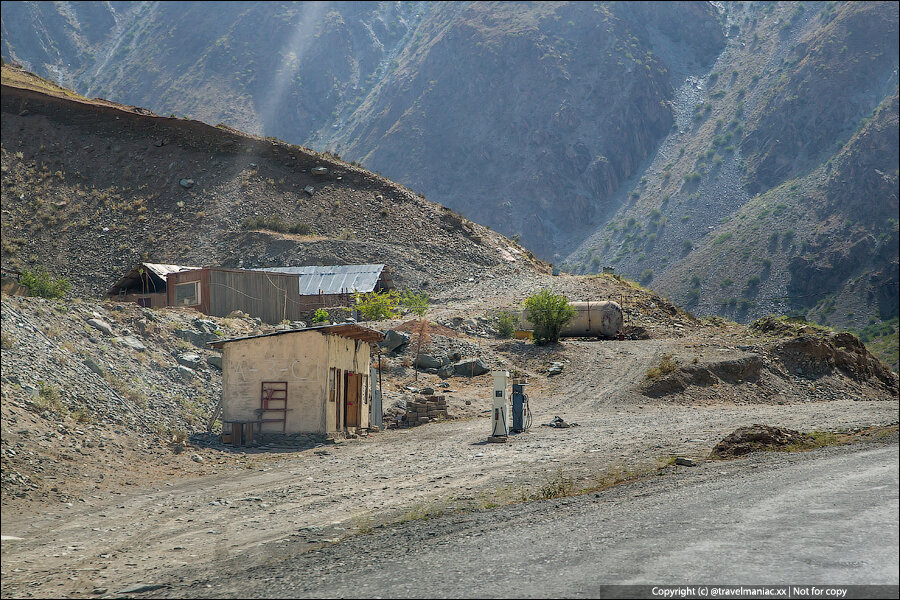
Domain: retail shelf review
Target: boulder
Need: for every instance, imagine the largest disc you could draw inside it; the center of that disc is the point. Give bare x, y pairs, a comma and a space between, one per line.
95, 365
445, 372
195, 337
471, 367
394, 339
215, 361
131, 342
186, 183
189, 359
101, 325
185, 373
427, 361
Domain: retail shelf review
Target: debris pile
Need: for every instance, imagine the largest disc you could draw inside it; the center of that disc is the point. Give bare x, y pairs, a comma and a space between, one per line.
559, 423
426, 409
756, 438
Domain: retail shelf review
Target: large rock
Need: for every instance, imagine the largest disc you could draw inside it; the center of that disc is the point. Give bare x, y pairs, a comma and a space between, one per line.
427, 361
197, 338
101, 325
471, 367
215, 361
189, 359
95, 365
131, 342
394, 339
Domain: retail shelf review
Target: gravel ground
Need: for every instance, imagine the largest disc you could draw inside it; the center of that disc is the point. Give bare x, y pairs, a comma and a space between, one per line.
767, 519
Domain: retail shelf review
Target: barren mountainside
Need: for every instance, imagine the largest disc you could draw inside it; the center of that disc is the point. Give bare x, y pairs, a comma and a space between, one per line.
737, 157
90, 188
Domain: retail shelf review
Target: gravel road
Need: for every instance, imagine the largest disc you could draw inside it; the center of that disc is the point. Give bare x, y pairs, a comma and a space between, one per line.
249, 509
824, 517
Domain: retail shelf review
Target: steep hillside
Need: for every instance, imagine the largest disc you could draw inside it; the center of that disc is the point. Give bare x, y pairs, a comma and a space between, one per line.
89, 188
778, 191
541, 109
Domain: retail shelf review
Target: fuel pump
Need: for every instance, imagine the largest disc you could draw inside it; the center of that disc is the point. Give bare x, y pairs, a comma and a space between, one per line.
521, 412
500, 423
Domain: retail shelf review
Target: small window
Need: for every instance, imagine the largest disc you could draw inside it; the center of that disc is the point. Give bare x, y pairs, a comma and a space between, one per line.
187, 294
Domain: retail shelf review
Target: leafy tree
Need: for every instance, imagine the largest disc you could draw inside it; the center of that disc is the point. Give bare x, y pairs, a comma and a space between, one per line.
549, 313
506, 324
377, 306
417, 304
40, 283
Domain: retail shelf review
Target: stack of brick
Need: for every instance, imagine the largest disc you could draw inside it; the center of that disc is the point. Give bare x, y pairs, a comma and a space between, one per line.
426, 409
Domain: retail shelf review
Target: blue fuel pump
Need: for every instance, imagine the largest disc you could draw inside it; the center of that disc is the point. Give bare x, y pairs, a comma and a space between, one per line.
521, 412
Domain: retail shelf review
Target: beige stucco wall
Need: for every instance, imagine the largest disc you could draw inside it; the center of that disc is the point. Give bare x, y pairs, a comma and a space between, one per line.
302, 359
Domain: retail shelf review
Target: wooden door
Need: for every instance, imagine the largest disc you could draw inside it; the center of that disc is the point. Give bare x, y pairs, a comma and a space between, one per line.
353, 397
337, 384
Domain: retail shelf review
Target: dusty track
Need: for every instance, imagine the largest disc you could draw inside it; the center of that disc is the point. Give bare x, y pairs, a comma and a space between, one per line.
248, 505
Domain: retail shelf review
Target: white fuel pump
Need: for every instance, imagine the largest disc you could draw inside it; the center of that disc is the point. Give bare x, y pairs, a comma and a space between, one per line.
500, 419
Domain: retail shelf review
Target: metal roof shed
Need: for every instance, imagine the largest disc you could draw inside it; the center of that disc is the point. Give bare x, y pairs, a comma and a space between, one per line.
145, 284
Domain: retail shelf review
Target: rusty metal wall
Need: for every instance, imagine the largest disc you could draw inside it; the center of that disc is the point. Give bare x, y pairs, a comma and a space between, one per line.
272, 297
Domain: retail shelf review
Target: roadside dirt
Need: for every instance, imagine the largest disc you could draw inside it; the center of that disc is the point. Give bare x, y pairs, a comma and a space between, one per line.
243, 506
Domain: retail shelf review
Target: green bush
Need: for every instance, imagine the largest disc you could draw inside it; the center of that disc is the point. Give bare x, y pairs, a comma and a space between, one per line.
40, 283
549, 313
377, 306
416, 303
506, 324
321, 316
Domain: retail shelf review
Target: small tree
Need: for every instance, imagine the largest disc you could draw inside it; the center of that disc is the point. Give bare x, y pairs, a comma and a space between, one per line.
506, 324
549, 313
418, 305
321, 316
377, 306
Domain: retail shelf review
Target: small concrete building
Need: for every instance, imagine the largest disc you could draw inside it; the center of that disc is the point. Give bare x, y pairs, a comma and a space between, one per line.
314, 380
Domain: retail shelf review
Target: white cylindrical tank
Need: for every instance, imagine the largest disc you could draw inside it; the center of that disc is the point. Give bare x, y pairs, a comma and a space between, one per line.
592, 319
595, 319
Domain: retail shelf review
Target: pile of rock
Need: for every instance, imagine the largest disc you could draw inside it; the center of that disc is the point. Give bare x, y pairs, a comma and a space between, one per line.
426, 409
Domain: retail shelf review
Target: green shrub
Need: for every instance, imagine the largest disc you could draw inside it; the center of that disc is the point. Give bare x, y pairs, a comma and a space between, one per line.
549, 313
506, 324
321, 316
416, 303
377, 306
40, 283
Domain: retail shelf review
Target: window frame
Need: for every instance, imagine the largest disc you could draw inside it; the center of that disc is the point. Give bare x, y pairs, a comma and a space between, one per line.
197, 296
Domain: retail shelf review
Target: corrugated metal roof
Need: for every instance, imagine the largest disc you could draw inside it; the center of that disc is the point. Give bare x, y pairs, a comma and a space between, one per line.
347, 330
334, 279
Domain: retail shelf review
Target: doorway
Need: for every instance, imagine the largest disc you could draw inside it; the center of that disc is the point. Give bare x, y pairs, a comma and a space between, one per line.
352, 399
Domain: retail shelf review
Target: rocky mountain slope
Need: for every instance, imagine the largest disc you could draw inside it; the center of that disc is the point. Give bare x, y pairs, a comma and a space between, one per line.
777, 192
542, 110
90, 188
711, 150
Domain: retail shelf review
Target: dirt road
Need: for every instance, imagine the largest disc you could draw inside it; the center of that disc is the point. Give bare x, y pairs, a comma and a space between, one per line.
828, 516
249, 505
